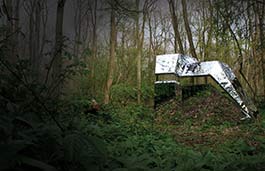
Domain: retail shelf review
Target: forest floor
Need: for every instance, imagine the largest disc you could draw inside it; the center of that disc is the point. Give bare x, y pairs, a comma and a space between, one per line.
203, 132
210, 120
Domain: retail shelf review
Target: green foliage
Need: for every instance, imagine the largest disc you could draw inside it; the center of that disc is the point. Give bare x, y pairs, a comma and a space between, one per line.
147, 91
86, 151
41, 133
125, 94
116, 138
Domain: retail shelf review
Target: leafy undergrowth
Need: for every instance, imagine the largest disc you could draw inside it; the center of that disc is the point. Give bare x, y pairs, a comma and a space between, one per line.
201, 133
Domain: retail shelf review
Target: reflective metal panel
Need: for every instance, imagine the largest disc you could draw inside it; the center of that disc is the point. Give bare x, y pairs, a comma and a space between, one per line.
186, 66
166, 64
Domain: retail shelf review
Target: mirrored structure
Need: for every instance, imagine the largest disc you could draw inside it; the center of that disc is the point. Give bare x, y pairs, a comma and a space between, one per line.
186, 66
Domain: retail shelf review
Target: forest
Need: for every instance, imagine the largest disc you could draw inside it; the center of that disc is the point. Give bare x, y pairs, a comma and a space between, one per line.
77, 85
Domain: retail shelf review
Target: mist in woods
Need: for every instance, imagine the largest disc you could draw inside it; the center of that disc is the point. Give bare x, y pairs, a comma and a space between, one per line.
116, 42
61, 58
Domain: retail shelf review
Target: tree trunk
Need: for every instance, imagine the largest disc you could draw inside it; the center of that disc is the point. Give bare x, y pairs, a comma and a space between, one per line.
138, 53
78, 21
150, 51
35, 19
252, 41
139, 42
57, 65
16, 28
10, 30
210, 34
174, 19
32, 49
94, 46
187, 28
261, 12
189, 34
111, 64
